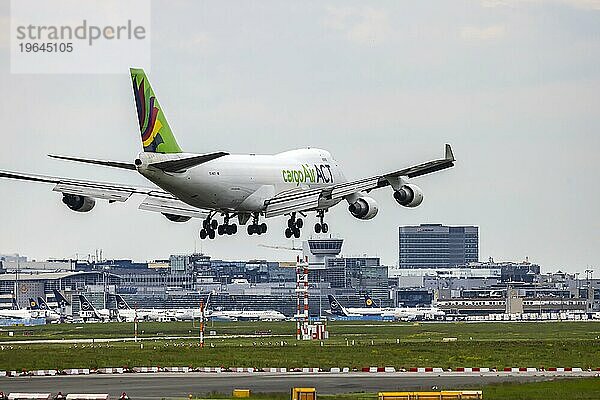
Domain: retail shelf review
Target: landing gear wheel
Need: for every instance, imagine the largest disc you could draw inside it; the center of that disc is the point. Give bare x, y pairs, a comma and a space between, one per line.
211, 234
299, 223
317, 228
324, 227
231, 229
288, 233
221, 229
291, 223
214, 224
297, 233
263, 228
203, 234
250, 229
205, 224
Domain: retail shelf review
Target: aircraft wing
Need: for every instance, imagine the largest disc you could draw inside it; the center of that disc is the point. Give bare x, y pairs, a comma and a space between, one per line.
156, 200
166, 203
307, 199
344, 189
300, 199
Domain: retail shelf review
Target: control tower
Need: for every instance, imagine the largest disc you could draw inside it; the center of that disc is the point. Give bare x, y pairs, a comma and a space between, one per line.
317, 250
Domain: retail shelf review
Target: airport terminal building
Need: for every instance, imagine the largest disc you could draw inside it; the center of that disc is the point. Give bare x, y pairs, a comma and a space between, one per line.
438, 267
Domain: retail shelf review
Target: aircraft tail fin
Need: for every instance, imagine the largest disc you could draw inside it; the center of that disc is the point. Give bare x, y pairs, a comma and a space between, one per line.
84, 304
121, 303
369, 302
60, 299
207, 304
33, 305
156, 133
42, 303
336, 307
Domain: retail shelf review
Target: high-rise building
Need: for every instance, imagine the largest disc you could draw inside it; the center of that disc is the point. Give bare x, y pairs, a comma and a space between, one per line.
437, 246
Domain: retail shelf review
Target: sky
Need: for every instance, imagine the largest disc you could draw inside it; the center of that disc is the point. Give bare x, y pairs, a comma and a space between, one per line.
513, 85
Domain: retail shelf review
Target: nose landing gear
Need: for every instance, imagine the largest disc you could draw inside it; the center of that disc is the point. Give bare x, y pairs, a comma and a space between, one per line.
321, 226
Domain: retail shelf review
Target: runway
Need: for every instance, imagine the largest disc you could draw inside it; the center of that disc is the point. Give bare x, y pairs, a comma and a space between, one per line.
171, 385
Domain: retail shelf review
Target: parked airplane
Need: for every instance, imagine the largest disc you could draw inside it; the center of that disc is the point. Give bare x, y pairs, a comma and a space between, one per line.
243, 315
244, 186
36, 310
398, 313
154, 314
87, 311
128, 314
410, 313
58, 305
16, 312
248, 315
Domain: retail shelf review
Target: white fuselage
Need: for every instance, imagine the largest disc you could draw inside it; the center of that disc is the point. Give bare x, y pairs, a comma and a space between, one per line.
268, 315
244, 182
49, 315
402, 313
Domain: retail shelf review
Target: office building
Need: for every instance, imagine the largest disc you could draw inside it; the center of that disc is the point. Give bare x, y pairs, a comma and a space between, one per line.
437, 246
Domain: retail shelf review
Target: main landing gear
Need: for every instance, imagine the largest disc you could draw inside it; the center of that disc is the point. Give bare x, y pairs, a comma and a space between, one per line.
294, 226
227, 228
321, 226
210, 227
255, 227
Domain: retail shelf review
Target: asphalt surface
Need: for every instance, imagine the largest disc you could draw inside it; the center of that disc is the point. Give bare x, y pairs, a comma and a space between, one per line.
180, 385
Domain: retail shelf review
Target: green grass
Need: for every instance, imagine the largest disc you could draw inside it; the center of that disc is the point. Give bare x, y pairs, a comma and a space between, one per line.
339, 330
572, 389
570, 344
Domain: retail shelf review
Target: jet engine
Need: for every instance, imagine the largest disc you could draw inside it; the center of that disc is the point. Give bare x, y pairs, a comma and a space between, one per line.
364, 208
78, 203
409, 195
176, 218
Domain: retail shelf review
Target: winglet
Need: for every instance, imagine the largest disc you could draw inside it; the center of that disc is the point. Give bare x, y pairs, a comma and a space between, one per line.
449, 153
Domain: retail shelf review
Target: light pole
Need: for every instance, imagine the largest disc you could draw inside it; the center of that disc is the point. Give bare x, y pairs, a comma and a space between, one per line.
17, 280
590, 292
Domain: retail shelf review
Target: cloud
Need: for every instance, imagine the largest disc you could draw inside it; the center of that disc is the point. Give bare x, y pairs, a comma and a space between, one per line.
581, 4
198, 41
4, 31
360, 25
482, 33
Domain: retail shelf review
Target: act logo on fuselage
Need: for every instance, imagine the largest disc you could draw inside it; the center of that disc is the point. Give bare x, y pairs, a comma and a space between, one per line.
316, 174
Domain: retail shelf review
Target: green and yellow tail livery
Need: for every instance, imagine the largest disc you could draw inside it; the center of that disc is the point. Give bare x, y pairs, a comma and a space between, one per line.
156, 133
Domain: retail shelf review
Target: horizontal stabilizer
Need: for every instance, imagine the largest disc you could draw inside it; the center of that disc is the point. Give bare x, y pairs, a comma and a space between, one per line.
114, 164
182, 164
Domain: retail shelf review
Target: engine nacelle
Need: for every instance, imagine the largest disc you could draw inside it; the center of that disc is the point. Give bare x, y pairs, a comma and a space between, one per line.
409, 195
364, 208
78, 203
176, 218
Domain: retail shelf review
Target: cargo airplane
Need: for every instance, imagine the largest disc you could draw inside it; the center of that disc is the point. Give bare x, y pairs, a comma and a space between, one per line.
247, 187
